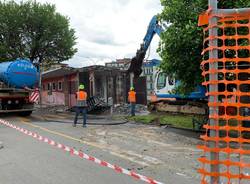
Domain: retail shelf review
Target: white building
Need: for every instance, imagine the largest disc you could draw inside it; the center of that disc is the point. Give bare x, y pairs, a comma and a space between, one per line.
149, 69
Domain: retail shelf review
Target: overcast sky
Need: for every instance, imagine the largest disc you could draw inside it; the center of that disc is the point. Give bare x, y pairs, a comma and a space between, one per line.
108, 29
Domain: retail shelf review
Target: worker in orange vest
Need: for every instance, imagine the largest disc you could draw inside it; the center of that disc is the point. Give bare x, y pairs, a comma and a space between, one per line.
81, 105
132, 100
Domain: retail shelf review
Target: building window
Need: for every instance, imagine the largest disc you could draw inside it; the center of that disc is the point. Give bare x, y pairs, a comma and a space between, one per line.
49, 86
161, 81
53, 86
59, 86
43, 87
151, 86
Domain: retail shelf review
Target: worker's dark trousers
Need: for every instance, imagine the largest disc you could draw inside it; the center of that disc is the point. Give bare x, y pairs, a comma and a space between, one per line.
82, 110
132, 109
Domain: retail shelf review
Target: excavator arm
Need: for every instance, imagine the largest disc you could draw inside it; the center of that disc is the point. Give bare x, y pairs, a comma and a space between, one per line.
136, 62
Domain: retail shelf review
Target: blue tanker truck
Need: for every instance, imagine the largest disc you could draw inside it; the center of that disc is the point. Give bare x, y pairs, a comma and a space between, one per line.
18, 80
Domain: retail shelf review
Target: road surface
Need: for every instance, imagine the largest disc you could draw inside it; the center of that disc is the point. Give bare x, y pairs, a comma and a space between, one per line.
148, 150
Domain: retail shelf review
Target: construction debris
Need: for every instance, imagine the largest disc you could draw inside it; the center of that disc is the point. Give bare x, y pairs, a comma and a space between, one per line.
124, 109
95, 105
48, 109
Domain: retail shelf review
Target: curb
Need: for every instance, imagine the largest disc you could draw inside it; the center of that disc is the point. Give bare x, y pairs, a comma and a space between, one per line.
112, 122
185, 129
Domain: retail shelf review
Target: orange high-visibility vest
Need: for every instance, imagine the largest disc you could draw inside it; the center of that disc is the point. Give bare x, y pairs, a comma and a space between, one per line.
131, 96
81, 95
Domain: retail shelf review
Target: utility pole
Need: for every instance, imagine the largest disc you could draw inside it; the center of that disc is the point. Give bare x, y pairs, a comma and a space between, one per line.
213, 54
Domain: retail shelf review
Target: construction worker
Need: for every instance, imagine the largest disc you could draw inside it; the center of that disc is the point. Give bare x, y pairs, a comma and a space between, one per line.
81, 105
132, 100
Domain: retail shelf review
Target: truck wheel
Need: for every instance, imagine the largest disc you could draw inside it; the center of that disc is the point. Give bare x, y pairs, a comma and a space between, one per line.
26, 113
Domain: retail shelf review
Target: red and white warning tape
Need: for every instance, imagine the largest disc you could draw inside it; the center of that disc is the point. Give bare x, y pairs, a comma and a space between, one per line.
81, 154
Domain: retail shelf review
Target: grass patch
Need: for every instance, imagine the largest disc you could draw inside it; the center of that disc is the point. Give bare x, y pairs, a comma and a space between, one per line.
143, 119
118, 117
181, 121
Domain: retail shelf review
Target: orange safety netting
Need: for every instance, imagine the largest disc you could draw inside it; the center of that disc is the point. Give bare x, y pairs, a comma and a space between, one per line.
230, 110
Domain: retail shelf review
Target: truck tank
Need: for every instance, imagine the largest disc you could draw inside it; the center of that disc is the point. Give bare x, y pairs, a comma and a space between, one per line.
19, 74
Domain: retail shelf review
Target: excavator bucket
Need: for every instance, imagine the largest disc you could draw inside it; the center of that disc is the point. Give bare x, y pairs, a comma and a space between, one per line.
136, 63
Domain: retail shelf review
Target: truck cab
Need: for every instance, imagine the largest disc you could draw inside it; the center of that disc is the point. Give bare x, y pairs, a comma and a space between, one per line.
163, 85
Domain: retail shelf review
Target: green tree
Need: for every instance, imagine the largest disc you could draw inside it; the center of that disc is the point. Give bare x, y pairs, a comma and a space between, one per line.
35, 31
182, 43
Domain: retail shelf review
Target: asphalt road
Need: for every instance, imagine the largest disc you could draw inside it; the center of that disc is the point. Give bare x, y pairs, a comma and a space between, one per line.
144, 149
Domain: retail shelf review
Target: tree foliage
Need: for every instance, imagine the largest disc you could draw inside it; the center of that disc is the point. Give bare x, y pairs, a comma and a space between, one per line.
182, 43
34, 31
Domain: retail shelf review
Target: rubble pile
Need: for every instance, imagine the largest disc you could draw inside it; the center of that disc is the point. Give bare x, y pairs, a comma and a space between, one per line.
124, 109
119, 109
51, 109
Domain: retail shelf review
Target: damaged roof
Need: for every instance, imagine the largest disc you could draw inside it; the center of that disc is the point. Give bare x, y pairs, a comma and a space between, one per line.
97, 68
59, 72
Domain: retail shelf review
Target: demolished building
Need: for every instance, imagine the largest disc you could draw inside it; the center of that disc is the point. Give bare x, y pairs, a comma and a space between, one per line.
60, 85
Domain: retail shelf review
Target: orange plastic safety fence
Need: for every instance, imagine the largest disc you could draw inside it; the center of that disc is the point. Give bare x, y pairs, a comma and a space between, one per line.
230, 145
